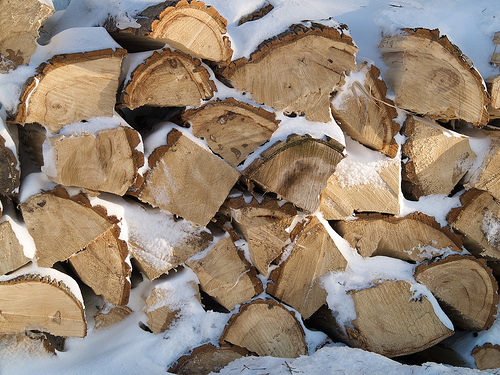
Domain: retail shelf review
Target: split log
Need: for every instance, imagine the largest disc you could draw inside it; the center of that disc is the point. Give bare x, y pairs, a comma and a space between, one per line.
187, 180
415, 237
51, 307
487, 356
361, 187
102, 266
364, 113
495, 57
266, 328
9, 165
232, 129
296, 71
225, 275
431, 77
11, 251
493, 86
190, 27
297, 169
168, 79
107, 161
64, 89
298, 285
20, 21
263, 225
116, 314
62, 225
437, 158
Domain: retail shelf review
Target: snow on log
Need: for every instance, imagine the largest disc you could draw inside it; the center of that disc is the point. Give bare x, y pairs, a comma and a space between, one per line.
431, 77
231, 128
11, 251
266, 328
487, 356
493, 86
363, 112
190, 27
437, 158
415, 237
296, 169
296, 71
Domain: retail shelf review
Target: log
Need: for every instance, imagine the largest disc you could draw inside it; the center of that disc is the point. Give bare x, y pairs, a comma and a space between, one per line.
363, 112
107, 317
493, 86
487, 356
51, 307
20, 22
231, 128
296, 71
187, 180
263, 225
168, 79
495, 57
361, 187
297, 169
464, 288
299, 286
437, 158
9, 165
190, 27
107, 161
225, 275
415, 237
266, 328
53, 96
256, 15
11, 251
432, 77
62, 225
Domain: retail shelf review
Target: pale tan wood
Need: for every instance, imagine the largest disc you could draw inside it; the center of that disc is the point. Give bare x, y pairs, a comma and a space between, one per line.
437, 158
465, 288
11, 251
415, 237
493, 86
487, 356
190, 27
376, 192
168, 79
296, 281
431, 77
266, 328
297, 170
114, 316
364, 113
495, 57
296, 71
71, 88
32, 302
106, 162
102, 266
232, 129
61, 225
264, 226
187, 180
20, 21
225, 275
9, 171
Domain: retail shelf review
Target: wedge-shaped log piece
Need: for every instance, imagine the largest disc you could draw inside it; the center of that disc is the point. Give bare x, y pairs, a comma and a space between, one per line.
298, 285
11, 251
364, 113
187, 180
296, 71
430, 76
297, 169
493, 86
33, 302
107, 161
116, 314
465, 289
362, 187
267, 328
168, 79
101, 265
437, 158
232, 129
487, 356
391, 322
20, 21
190, 27
415, 237
71, 88
264, 226
62, 225
225, 275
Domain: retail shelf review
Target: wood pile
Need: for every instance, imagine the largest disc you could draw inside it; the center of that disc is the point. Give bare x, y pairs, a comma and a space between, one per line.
260, 220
